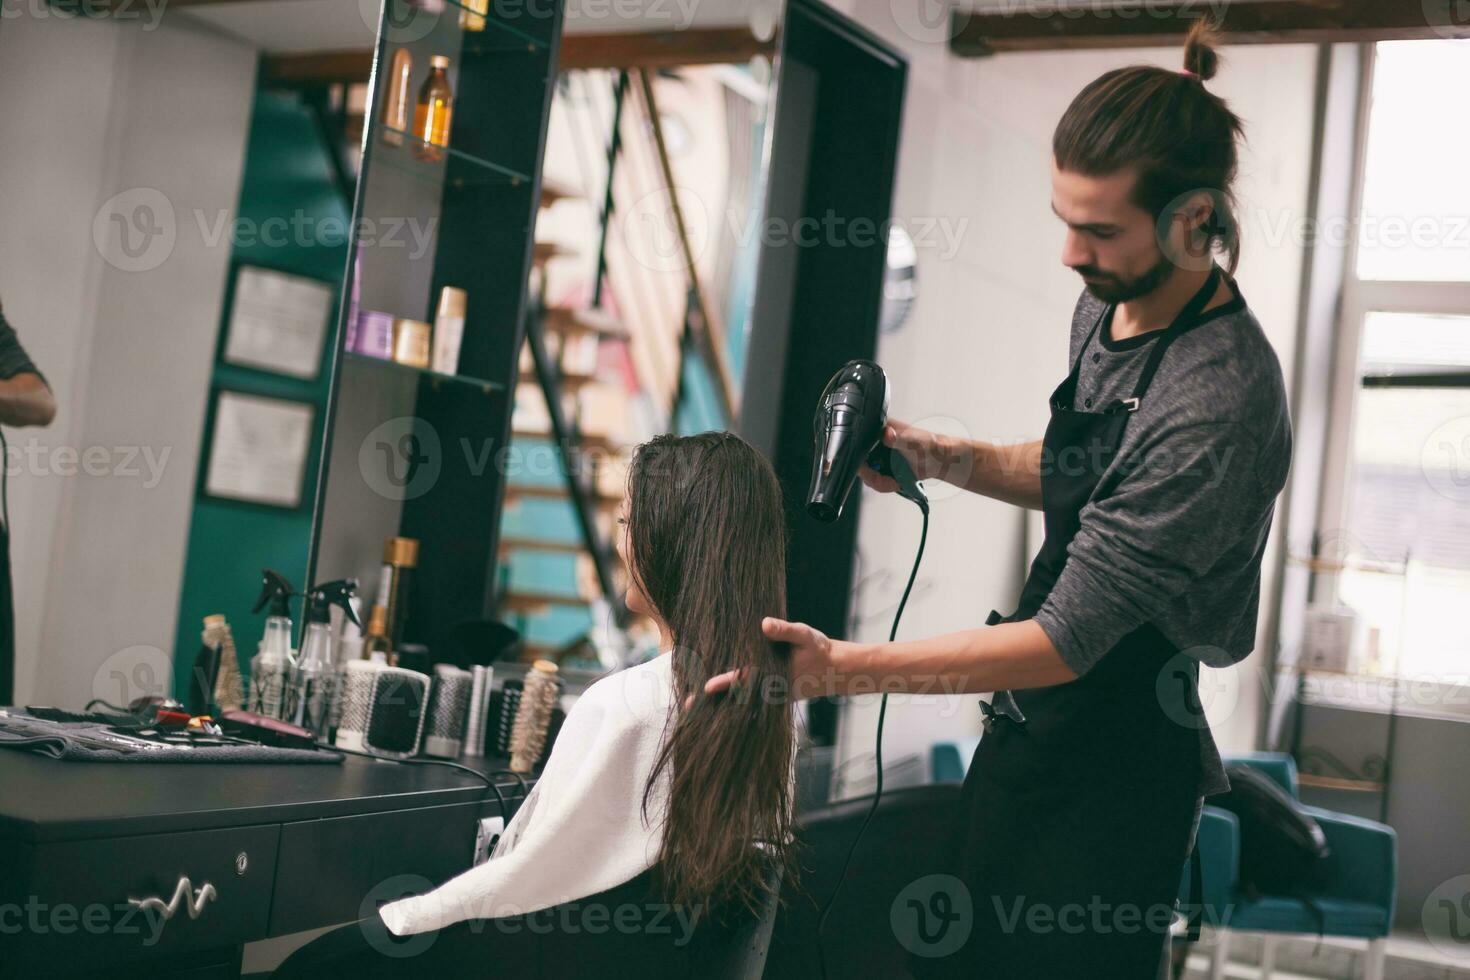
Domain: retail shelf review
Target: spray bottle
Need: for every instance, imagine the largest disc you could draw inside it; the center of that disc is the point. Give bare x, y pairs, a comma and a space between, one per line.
310, 693
271, 667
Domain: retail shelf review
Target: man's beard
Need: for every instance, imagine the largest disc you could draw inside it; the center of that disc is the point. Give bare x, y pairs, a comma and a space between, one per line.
1111, 289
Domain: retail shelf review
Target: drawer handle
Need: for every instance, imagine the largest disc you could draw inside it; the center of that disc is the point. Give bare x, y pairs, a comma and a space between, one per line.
183, 892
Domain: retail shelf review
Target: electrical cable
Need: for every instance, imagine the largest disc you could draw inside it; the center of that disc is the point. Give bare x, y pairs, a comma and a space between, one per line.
525, 793
108, 705
877, 751
489, 782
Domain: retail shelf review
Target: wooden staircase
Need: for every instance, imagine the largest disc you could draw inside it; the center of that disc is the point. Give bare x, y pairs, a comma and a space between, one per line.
564, 406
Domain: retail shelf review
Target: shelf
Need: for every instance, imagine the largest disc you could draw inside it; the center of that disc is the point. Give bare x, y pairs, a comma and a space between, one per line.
488, 387
1361, 675
1328, 566
480, 42
474, 42
1337, 782
402, 159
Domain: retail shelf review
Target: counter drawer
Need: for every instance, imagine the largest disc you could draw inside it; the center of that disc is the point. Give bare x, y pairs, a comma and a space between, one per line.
338, 869
89, 904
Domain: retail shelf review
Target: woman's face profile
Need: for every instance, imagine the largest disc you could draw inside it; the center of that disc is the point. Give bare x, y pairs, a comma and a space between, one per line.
637, 602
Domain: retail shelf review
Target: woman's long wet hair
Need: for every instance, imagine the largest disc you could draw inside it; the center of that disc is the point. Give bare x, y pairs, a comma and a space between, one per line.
707, 542
1180, 136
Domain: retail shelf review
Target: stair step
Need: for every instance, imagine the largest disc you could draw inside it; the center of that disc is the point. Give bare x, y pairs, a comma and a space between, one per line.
569, 382
586, 440
539, 602
546, 251
541, 544
556, 491
556, 190
565, 320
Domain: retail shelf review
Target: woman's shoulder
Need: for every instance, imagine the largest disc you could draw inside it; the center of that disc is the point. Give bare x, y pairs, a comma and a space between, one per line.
638, 693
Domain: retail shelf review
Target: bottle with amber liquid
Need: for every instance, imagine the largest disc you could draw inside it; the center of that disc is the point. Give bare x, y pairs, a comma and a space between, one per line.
375, 640
435, 106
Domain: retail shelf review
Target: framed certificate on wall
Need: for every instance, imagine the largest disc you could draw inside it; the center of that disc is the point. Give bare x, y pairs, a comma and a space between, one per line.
258, 449
278, 322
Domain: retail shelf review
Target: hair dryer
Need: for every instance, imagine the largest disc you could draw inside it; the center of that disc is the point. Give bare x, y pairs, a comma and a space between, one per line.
848, 431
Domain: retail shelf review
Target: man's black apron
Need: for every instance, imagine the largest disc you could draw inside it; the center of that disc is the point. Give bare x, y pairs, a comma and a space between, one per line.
7, 600
1081, 799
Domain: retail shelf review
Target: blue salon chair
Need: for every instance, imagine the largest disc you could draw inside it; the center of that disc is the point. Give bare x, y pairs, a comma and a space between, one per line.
1355, 900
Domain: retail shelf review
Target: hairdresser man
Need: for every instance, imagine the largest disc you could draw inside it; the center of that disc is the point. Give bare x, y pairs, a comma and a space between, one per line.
1168, 443
25, 399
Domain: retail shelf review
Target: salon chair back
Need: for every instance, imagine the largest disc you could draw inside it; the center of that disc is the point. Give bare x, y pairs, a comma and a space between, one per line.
628, 931
911, 836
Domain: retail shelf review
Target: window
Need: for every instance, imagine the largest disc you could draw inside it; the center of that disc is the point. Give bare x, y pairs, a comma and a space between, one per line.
1398, 523
1414, 222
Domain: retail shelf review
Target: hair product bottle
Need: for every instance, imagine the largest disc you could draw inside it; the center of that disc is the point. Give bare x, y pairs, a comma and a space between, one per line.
375, 644
411, 342
395, 106
472, 18
400, 558
448, 330
435, 107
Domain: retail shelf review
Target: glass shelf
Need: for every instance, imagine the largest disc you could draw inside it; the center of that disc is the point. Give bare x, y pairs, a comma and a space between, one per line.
402, 159
488, 387
475, 42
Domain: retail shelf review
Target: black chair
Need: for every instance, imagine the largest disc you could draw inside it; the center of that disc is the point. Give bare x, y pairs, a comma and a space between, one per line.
625, 932
911, 836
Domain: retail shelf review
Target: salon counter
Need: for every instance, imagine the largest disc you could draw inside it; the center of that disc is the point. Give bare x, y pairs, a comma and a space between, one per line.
283, 847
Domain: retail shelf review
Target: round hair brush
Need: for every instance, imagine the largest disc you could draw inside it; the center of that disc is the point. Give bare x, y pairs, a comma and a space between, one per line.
533, 717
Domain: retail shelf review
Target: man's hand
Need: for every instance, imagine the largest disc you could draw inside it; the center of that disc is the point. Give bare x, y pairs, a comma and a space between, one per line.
925, 451
813, 660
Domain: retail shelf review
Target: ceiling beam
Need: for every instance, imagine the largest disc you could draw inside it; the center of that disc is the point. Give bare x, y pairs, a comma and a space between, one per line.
1043, 25
663, 49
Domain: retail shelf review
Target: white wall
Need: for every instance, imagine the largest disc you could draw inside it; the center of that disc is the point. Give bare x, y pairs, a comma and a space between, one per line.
988, 337
113, 107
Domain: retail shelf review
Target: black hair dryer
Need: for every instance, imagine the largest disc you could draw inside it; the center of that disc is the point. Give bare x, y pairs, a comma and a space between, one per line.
848, 431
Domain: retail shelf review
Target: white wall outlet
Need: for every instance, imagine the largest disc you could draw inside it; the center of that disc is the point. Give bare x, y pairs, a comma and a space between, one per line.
487, 832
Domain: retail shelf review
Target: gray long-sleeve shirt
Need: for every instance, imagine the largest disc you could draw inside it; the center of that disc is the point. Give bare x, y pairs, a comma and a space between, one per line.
1174, 532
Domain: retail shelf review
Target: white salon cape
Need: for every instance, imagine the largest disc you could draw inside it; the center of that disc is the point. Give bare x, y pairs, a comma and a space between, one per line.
581, 830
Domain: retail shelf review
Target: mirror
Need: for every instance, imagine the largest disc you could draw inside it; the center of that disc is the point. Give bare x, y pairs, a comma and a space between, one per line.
504, 461
212, 210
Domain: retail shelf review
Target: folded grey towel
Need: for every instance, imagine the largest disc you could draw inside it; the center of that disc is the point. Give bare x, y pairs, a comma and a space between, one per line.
71, 742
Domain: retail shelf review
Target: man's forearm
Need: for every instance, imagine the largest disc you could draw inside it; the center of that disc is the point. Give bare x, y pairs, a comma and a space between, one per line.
1010, 473
25, 400
1009, 656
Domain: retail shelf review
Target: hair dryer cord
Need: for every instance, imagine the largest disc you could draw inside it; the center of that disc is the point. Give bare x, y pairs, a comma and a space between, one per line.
878, 742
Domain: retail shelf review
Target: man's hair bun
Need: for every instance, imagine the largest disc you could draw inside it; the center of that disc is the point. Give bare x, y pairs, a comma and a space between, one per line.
1199, 49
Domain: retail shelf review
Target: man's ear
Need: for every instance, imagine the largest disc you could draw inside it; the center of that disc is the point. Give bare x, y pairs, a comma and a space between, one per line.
1198, 210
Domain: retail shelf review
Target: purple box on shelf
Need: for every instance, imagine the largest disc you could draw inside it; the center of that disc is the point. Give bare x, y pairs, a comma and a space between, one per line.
372, 335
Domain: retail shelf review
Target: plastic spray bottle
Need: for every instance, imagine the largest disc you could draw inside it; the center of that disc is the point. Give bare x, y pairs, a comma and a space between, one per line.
270, 668
310, 692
